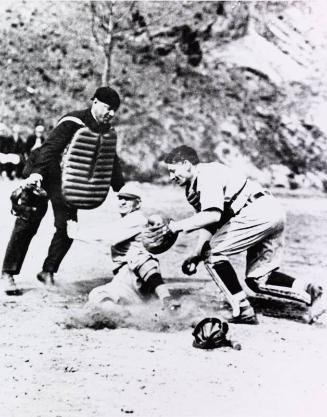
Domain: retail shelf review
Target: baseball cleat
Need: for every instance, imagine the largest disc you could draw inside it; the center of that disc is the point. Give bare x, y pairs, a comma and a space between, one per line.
8, 285
318, 304
246, 316
46, 278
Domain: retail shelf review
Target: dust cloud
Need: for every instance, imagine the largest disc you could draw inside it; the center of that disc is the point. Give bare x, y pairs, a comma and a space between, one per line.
150, 316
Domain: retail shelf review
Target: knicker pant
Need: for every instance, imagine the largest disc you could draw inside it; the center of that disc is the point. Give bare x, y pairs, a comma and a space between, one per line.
259, 230
124, 289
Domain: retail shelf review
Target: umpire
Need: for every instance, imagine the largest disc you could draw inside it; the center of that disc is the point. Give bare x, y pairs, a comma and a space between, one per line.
44, 167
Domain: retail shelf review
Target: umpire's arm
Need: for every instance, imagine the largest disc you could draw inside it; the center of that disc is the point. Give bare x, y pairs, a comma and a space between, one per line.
54, 146
117, 178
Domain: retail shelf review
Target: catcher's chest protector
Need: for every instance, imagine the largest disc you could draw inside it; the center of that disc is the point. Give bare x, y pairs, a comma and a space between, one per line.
87, 168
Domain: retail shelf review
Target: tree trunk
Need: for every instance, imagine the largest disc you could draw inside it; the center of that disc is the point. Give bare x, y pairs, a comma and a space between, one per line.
108, 47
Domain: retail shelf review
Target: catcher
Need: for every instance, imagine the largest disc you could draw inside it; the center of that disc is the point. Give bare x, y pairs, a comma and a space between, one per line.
136, 272
233, 215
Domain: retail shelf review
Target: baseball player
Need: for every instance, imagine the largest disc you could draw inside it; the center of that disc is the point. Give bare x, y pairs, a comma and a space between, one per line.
233, 215
136, 272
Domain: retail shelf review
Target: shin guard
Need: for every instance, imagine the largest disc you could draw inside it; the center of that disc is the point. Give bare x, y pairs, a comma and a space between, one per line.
224, 276
280, 285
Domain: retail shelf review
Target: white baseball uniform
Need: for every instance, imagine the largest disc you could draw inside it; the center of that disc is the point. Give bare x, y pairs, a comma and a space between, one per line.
133, 265
252, 221
256, 224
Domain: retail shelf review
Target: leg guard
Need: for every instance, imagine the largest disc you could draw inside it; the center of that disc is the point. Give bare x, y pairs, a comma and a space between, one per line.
224, 276
280, 285
148, 268
148, 276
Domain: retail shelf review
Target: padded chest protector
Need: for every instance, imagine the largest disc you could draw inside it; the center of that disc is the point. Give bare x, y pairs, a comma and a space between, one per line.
87, 168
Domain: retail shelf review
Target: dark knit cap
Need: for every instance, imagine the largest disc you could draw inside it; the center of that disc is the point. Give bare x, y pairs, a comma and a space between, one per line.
109, 96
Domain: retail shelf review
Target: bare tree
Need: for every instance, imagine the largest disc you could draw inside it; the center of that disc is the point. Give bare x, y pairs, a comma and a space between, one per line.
107, 22
146, 35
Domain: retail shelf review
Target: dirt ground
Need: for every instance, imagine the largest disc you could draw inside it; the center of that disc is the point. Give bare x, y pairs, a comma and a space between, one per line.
58, 361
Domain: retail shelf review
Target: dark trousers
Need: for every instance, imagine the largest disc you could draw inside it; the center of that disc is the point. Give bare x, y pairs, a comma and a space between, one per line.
25, 230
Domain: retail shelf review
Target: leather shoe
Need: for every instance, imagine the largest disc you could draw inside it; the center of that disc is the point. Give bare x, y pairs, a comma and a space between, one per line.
246, 316
8, 285
46, 278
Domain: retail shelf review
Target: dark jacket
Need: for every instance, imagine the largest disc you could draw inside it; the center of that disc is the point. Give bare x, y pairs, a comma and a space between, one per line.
28, 167
30, 142
19, 146
7, 144
48, 160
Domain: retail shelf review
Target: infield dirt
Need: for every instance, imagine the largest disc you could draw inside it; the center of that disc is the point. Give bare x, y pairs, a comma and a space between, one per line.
59, 361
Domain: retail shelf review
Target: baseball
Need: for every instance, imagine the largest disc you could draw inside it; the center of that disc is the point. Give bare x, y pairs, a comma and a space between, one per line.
155, 219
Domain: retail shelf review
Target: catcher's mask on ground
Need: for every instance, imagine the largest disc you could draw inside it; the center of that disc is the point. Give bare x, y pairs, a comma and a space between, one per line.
129, 199
210, 333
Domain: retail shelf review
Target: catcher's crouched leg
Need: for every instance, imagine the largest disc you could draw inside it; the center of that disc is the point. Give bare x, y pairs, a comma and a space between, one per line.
224, 276
280, 285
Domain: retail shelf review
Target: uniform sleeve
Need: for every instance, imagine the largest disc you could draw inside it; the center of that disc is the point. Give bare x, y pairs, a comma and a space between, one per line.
54, 145
117, 178
211, 188
127, 227
114, 232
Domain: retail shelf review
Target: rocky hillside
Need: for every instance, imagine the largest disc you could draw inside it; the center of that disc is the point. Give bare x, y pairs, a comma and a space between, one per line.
243, 80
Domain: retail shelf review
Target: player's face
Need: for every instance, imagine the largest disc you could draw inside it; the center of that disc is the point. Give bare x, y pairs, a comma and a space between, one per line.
127, 205
102, 111
180, 173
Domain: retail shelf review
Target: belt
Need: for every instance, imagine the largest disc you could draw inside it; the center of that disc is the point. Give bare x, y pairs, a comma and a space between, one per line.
116, 270
256, 196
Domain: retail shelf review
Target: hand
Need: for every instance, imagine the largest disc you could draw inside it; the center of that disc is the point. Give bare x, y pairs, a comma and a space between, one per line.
33, 179
190, 264
173, 226
72, 229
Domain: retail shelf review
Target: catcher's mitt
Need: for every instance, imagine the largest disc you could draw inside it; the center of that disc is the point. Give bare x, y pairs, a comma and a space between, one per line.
156, 235
27, 200
210, 333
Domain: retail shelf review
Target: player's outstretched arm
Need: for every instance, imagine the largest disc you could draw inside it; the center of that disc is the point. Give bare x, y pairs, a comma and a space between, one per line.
111, 233
198, 221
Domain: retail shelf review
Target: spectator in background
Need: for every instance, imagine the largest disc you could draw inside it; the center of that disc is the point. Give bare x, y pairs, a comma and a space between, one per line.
36, 139
2, 144
6, 146
18, 148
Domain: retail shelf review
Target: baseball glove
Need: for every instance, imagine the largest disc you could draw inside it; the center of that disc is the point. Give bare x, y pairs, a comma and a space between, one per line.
27, 200
156, 235
210, 333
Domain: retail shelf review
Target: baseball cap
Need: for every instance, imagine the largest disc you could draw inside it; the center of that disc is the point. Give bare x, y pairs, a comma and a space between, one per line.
130, 191
108, 96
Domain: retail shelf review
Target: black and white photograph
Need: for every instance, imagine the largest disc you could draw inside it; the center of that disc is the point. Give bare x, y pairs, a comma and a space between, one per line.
163, 233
